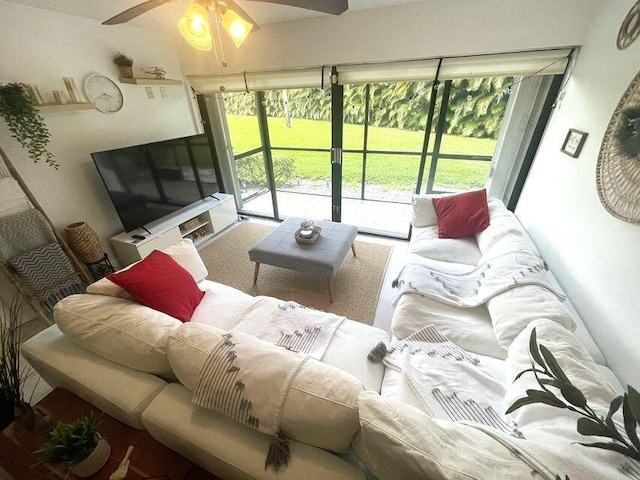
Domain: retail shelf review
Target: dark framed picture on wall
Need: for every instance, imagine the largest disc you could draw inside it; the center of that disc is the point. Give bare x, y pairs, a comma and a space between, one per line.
574, 142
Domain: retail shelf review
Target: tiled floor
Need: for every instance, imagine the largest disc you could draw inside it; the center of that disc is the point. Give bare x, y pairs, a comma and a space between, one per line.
370, 214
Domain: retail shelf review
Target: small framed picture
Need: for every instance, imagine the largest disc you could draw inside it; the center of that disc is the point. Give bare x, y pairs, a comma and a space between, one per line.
574, 142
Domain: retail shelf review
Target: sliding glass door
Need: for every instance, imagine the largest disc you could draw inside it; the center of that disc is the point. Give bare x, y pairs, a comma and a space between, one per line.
355, 148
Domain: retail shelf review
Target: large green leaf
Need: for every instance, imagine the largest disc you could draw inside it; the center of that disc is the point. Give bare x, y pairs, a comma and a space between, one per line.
532, 369
552, 363
545, 397
533, 349
573, 395
521, 402
616, 403
630, 422
633, 398
587, 426
551, 382
614, 447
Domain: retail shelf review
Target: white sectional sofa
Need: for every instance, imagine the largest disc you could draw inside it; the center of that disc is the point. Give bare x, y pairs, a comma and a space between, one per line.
124, 358
400, 438
109, 356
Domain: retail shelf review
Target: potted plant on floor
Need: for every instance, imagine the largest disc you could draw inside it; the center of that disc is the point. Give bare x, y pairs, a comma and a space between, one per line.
77, 446
12, 377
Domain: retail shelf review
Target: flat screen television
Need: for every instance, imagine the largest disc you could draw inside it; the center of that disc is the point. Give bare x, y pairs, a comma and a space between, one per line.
147, 182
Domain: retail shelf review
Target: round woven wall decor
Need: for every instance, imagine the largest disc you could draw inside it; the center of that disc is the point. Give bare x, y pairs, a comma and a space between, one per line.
618, 172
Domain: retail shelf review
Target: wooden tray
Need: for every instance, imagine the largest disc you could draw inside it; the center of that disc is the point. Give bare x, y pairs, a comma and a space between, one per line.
308, 241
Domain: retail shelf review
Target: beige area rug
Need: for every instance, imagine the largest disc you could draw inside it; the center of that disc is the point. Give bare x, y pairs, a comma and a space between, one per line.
356, 286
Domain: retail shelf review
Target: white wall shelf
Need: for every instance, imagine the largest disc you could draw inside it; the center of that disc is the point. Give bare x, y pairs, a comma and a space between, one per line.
150, 81
67, 107
213, 216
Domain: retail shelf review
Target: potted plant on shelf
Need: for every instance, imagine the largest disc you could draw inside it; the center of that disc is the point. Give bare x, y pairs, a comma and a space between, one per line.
24, 122
77, 446
124, 63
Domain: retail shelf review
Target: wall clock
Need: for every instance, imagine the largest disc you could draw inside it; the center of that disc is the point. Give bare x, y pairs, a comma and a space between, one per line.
630, 28
104, 93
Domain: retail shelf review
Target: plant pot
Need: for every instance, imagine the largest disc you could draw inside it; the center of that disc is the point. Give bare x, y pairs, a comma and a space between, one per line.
126, 71
95, 461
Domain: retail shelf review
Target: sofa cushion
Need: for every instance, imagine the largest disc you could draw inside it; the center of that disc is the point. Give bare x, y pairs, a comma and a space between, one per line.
462, 215
160, 283
230, 449
321, 405
551, 432
397, 441
117, 390
504, 224
426, 243
119, 330
183, 252
513, 310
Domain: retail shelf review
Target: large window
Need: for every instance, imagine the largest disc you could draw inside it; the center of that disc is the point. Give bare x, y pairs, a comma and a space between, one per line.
359, 151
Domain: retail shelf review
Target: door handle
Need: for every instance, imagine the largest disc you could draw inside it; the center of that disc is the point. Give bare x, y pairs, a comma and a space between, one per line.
336, 156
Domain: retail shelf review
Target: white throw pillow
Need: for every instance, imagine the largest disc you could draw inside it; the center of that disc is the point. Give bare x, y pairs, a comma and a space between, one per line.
424, 213
119, 330
397, 441
321, 405
183, 252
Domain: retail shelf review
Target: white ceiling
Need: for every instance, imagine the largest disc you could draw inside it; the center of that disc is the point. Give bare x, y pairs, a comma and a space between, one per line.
263, 13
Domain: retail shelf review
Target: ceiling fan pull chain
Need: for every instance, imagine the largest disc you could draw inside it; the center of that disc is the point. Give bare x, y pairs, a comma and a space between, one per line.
224, 60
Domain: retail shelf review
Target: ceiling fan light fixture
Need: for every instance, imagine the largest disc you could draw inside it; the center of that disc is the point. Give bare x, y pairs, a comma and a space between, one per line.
194, 27
235, 25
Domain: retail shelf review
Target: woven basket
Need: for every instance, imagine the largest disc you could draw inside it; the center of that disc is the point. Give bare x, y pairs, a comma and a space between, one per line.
84, 242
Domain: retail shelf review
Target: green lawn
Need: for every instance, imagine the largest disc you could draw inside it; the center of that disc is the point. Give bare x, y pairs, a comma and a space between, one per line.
390, 171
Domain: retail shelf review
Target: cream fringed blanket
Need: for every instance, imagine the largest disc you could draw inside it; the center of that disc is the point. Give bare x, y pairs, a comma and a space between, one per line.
450, 382
248, 380
289, 325
477, 286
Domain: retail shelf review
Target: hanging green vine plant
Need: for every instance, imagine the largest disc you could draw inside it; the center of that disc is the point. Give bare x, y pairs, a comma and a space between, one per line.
24, 122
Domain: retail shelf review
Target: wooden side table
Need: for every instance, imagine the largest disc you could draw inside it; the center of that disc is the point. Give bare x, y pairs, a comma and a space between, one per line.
149, 458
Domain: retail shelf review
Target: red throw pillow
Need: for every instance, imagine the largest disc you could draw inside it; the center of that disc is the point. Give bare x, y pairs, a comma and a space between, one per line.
463, 214
159, 282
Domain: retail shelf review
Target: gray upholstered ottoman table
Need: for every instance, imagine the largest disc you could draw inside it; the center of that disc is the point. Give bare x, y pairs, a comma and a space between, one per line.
323, 258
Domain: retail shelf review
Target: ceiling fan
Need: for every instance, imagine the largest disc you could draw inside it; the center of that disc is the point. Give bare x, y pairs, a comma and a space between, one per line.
194, 26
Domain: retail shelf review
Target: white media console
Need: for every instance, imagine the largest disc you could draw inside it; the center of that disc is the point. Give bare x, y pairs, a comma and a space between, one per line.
199, 221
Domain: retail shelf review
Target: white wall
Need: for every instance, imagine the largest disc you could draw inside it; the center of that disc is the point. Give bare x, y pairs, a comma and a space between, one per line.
40, 47
595, 256
425, 29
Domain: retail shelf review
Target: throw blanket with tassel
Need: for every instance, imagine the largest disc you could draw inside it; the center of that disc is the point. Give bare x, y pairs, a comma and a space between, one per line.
48, 273
473, 288
22, 232
450, 383
248, 380
289, 325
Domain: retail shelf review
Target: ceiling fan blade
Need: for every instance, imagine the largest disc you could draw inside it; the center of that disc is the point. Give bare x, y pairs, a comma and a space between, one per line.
241, 13
133, 12
334, 7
